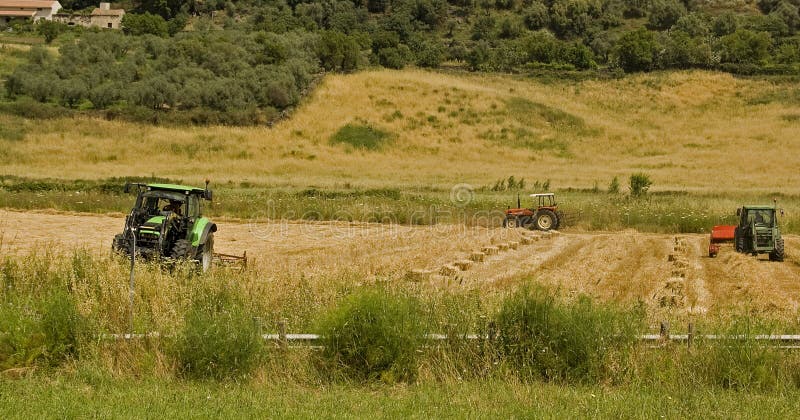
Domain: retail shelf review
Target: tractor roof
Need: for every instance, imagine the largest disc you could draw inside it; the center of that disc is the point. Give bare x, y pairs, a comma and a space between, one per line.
543, 195
760, 207
173, 187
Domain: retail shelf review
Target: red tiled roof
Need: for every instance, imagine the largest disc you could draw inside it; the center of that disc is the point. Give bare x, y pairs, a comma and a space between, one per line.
27, 4
18, 13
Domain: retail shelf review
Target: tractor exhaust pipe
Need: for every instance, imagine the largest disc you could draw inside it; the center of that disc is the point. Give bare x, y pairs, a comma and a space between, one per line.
519, 203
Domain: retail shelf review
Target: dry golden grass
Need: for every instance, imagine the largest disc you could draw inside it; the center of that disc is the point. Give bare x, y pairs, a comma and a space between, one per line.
296, 267
697, 131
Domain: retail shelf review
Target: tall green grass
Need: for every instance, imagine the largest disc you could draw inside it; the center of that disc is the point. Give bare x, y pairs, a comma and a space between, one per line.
541, 338
56, 308
372, 335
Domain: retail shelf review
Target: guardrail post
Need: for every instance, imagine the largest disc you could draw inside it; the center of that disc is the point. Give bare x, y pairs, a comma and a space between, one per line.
690, 335
282, 334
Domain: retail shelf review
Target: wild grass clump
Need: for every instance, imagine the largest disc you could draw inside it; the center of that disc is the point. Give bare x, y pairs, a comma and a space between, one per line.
219, 338
372, 335
40, 332
740, 362
361, 136
542, 338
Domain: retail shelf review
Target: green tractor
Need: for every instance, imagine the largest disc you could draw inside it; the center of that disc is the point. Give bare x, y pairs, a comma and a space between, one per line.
758, 232
167, 223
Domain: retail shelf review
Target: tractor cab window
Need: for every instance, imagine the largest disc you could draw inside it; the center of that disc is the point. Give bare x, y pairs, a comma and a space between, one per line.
194, 206
760, 217
162, 203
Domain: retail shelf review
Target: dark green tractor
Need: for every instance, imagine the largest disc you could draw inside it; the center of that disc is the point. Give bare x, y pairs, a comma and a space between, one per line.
758, 232
167, 223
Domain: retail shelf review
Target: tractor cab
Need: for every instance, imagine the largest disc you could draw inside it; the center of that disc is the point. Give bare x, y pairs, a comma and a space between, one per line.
544, 215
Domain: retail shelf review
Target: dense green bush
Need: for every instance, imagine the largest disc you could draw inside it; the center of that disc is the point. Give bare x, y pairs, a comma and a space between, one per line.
47, 330
361, 136
540, 337
219, 338
745, 47
665, 13
638, 184
637, 50
372, 335
144, 24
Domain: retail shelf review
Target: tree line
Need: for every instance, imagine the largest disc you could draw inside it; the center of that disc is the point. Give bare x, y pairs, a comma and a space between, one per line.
245, 61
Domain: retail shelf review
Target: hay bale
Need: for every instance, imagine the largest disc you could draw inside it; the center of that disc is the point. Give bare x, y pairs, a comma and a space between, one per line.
675, 284
513, 244
448, 270
681, 264
678, 273
489, 250
526, 240
463, 265
477, 256
502, 247
672, 257
419, 275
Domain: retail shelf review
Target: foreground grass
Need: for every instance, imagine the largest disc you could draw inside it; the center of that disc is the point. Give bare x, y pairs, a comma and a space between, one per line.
90, 395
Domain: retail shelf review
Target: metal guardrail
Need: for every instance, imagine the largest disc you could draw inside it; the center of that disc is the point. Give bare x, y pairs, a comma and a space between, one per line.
784, 341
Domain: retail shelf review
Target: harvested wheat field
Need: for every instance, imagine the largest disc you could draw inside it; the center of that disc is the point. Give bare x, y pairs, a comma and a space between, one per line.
671, 274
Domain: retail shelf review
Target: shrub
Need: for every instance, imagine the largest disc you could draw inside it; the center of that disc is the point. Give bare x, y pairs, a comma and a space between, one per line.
48, 330
219, 339
639, 184
361, 136
745, 47
636, 50
613, 187
536, 16
541, 338
372, 335
665, 13
133, 24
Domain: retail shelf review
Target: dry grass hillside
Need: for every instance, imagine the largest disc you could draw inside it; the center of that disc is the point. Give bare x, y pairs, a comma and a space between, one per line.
696, 131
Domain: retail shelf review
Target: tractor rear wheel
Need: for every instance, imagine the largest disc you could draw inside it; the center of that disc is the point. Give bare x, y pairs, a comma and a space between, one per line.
180, 250
546, 220
777, 254
511, 222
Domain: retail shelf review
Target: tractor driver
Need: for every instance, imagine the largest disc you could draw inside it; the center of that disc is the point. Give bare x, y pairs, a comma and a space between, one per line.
174, 206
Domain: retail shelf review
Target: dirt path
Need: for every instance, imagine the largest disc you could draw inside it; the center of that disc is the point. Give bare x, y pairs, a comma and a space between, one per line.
672, 274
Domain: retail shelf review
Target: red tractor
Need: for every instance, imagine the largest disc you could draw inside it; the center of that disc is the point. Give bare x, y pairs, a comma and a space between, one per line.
544, 216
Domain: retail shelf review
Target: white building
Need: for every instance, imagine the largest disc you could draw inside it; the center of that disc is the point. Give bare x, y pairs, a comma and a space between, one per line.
28, 9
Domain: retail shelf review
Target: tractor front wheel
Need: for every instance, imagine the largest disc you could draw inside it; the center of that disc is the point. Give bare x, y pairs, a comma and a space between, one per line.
207, 253
511, 222
546, 220
739, 245
120, 245
777, 254
180, 251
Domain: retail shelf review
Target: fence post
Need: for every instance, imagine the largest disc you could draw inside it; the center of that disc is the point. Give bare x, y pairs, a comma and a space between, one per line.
664, 332
690, 336
259, 330
282, 334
